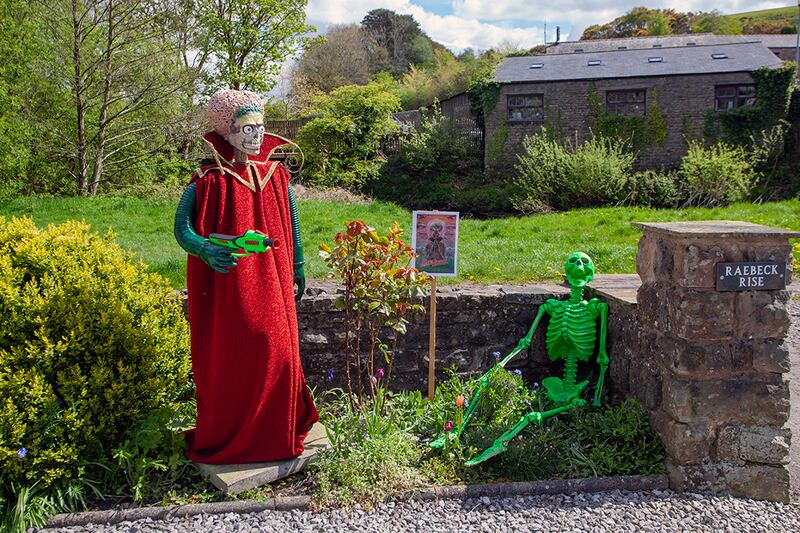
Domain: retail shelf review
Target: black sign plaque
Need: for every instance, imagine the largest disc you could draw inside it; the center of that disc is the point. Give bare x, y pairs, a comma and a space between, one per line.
767, 276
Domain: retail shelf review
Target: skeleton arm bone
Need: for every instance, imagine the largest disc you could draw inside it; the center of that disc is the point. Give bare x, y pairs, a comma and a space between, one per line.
602, 356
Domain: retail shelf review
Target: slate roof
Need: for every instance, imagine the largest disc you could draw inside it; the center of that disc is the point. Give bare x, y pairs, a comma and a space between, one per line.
787, 40
665, 41
741, 57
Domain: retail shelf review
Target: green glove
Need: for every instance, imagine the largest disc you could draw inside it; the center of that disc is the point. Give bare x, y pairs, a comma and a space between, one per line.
217, 257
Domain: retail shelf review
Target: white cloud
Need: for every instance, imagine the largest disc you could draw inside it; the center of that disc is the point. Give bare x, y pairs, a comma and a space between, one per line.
454, 31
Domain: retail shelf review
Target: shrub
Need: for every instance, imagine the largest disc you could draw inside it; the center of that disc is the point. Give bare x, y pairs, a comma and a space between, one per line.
381, 293
439, 167
343, 143
554, 175
650, 188
89, 345
714, 176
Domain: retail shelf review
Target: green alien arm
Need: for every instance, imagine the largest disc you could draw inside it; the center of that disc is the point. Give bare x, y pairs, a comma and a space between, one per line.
299, 259
602, 356
523, 344
217, 257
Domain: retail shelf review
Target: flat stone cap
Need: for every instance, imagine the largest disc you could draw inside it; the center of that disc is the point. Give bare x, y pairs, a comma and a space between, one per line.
718, 228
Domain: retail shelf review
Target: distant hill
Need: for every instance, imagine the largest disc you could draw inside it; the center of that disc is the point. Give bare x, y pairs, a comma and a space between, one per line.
777, 20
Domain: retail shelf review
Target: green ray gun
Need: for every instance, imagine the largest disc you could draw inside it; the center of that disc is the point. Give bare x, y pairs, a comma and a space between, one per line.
250, 242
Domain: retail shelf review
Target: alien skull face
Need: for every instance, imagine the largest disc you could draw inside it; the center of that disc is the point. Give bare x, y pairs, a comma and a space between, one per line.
579, 269
247, 133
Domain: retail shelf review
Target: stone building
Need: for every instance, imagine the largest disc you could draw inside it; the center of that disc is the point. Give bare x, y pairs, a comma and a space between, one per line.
687, 82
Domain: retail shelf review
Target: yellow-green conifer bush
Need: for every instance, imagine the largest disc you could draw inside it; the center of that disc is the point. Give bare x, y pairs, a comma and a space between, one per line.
90, 344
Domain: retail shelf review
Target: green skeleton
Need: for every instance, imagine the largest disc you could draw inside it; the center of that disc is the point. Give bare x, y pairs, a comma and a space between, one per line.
571, 336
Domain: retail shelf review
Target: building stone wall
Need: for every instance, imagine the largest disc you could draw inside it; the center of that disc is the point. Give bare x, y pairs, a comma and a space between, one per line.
684, 100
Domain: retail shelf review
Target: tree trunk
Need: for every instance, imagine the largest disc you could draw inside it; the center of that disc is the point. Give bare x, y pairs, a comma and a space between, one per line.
97, 171
80, 109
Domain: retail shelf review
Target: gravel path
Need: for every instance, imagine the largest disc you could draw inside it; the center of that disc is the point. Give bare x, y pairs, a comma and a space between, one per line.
610, 511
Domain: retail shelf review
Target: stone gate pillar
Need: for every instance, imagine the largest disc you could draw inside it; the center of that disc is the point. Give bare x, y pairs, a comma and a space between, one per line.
719, 353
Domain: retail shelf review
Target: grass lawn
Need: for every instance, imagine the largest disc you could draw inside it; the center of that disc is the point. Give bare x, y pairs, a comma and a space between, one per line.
788, 15
515, 249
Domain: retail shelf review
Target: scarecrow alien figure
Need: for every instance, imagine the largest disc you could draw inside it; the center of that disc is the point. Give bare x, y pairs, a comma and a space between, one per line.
253, 404
571, 336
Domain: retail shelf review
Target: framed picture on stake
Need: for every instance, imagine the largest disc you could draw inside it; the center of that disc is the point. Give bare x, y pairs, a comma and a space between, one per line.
434, 237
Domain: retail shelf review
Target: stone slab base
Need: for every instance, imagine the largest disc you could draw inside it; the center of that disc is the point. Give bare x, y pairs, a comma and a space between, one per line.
233, 479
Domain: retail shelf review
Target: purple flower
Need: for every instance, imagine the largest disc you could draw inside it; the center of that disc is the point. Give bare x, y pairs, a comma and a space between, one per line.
449, 425
329, 377
379, 373
366, 436
363, 420
518, 372
22, 453
535, 383
496, 355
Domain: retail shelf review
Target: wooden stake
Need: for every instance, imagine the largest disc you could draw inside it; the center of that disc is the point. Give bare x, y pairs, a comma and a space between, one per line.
432, 342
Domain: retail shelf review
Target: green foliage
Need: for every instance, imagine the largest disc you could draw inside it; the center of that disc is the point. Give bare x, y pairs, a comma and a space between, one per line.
371, 457
552, 175
249, 40
151, 457
636, 133
89, 344
399, 40
381, 291
343, 143
640, 22
714, 176
774, 93
715, 22
650, 188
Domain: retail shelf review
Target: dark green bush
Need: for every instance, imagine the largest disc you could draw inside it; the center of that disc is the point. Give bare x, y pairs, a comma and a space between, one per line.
439, 167
714, 176
570, 175
90, 344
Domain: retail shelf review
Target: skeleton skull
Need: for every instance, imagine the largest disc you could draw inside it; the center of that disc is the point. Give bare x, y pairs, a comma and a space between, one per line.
579, 269
247, 133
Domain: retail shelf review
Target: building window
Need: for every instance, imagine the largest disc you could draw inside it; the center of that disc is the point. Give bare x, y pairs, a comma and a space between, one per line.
733, 96
630, 103
526, 108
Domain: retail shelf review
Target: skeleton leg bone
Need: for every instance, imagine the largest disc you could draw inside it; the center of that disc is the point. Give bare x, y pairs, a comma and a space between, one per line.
501, 443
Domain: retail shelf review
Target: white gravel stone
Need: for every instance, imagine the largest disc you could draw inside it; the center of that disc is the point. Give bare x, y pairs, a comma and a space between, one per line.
611, 511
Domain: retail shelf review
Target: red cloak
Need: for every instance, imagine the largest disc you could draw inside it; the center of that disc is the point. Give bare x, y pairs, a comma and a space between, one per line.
253, 404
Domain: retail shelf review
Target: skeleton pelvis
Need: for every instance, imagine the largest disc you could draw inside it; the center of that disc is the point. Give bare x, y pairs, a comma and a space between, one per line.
560, 392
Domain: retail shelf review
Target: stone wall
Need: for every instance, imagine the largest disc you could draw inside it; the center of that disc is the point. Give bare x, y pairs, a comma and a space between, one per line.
473, 321
711, 366
684, 100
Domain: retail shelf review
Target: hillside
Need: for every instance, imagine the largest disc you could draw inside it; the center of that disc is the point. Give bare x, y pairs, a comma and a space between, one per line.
777, 20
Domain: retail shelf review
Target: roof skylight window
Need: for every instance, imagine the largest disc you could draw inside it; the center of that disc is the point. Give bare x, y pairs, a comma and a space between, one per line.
657, 46
594, 62
537, 65
578, 50
719, 55
656, 59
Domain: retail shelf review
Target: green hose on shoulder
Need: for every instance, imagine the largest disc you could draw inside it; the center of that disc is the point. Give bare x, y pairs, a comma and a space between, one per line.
299, 259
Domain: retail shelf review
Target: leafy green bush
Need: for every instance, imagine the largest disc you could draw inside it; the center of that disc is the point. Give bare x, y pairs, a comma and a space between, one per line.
439, 167
650, 188
572, 175
343, 143
714, 176
89, 345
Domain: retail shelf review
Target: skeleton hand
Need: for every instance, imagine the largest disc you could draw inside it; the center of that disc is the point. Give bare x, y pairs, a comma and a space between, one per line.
217, 257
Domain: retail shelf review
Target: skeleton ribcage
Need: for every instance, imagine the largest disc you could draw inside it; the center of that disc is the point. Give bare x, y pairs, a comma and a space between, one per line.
572, 328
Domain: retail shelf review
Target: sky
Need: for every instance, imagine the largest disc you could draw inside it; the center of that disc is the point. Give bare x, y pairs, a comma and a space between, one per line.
482, 24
